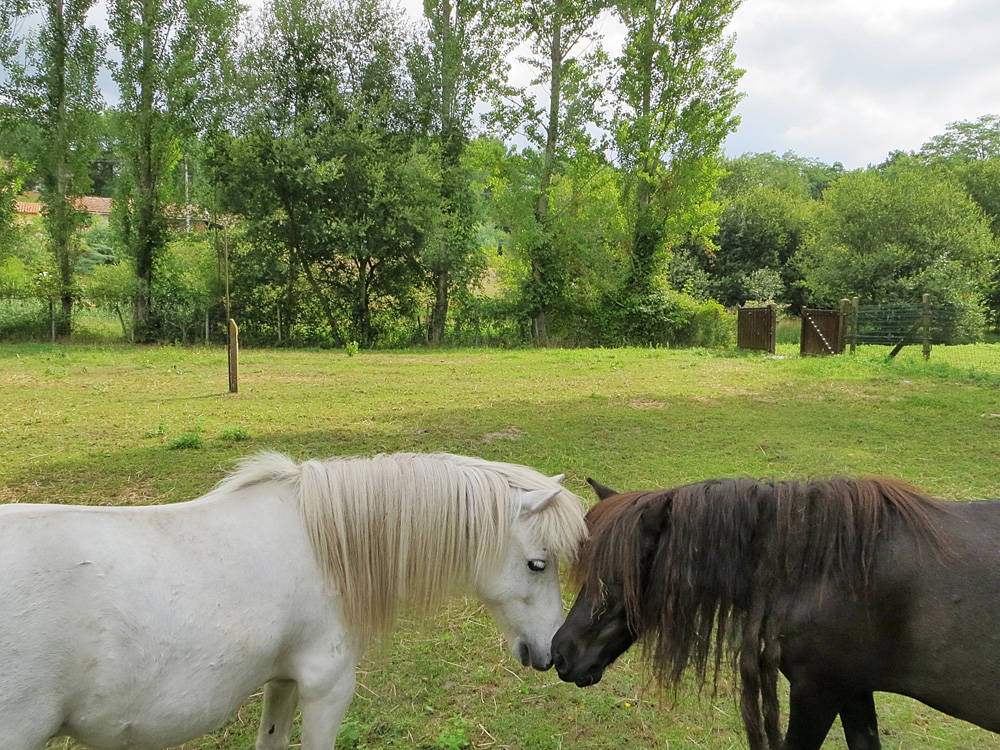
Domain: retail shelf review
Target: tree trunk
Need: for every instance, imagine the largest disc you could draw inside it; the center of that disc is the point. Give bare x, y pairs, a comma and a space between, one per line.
362, 311
148, 235
60, 216
451, 150
439, 313
646, 237
539, 323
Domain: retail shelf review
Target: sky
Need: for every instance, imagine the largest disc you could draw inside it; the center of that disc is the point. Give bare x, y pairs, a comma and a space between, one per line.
851, 81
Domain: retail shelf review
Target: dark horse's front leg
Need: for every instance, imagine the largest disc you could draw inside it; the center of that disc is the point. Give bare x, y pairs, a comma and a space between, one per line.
860, 722
812, 710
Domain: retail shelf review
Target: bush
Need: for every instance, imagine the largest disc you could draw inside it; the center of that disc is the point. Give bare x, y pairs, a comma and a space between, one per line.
666, 318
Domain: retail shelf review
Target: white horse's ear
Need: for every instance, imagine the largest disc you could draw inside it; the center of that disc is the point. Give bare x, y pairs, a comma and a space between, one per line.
558, 478
536, 500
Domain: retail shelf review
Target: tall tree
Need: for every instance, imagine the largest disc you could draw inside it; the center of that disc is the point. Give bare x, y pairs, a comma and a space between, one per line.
468, 41
677, 93
172, 54
11, 179
55, 89
558, 113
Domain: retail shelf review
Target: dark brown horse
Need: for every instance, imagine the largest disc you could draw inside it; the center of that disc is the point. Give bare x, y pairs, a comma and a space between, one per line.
845, 586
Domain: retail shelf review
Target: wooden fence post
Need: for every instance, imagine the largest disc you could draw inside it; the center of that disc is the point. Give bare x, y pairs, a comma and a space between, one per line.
234, 357
772, 326
926, 322
845, 319
854, 324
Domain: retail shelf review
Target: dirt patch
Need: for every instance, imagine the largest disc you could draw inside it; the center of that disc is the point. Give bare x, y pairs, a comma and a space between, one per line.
647, 403
510, 433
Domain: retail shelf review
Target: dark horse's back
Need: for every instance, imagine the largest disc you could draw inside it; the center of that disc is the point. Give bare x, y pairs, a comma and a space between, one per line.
929, 628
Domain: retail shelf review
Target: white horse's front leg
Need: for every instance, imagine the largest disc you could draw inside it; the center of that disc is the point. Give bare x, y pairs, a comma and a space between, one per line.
323, 712
280, 699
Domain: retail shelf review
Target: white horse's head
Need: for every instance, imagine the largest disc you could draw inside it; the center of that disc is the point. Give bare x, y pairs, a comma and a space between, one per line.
406, 528
522, 594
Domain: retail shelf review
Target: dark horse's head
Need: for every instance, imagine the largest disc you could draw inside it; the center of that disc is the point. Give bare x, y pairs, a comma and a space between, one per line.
604, 622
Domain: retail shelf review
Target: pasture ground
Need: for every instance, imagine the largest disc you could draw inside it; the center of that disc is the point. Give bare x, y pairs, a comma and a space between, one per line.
136, 425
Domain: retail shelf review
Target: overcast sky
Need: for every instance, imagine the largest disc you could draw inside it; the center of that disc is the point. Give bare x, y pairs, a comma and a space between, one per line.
853, 80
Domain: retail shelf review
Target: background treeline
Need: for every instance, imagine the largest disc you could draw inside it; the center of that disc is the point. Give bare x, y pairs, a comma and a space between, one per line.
488, 173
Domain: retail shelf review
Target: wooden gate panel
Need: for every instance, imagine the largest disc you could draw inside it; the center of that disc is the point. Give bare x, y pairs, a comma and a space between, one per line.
755, 328
823, 332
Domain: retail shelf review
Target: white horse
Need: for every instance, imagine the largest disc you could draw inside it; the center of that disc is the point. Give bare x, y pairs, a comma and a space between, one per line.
146, 627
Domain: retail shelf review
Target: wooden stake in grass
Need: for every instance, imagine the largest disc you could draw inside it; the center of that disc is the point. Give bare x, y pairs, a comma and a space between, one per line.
234, 357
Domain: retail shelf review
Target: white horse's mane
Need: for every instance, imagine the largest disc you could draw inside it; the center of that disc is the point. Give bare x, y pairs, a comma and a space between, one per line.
405, 528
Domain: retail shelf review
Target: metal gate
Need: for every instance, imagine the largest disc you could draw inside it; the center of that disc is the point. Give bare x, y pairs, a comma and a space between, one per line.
823, 332
755, 327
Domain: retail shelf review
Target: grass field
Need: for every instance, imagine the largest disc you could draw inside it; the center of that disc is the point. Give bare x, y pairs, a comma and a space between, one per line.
120, 425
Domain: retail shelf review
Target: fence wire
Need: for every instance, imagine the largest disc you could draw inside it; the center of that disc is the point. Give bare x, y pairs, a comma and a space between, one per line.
951, 334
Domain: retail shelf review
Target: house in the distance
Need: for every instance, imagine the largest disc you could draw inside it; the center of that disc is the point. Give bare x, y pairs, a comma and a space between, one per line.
92, 204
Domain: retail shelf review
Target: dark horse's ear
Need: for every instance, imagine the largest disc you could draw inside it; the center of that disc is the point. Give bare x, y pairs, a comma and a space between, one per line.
654, 516
603, 492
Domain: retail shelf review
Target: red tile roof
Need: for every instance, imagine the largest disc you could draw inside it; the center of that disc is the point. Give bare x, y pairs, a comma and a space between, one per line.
92, 204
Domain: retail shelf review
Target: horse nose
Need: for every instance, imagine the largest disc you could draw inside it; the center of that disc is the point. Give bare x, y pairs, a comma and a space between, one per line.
536, 658
560, 662
560, 657
543, 665
524, 653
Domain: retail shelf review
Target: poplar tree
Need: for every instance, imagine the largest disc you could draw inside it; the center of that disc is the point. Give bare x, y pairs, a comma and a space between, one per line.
677, 93
53, 96
467, 43
170, 77
567, 57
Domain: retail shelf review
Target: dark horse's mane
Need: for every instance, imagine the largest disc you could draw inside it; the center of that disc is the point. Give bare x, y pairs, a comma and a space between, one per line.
703, 568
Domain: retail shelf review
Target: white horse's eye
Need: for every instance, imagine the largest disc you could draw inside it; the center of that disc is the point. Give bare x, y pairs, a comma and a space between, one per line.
536, 566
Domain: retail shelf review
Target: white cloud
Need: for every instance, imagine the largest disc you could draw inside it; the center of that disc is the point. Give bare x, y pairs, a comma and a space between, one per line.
853, 80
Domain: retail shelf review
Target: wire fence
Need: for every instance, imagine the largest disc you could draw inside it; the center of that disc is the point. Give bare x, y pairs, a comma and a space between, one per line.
951, 333
892, 324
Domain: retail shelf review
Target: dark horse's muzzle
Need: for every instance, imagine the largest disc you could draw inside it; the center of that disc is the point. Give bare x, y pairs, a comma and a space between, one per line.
587, 643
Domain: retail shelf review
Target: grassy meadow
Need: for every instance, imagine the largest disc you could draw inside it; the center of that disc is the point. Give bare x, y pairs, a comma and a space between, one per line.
139, 425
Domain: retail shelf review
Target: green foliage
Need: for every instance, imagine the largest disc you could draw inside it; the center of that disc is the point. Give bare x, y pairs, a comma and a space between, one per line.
186, 441
234, 434
898, 235
111, 287
53, 97
159, 431
669, 137
761, 229
666, 318
190, 440
189, 287
965, 141
172, 57
11, 180
798, 176
351, 348
322, 166
456, 735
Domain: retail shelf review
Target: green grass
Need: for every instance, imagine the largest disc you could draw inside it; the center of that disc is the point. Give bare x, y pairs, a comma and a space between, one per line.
95, 425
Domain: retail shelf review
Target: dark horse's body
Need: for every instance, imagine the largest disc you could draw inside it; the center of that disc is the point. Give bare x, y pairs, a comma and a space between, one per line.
847, 586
